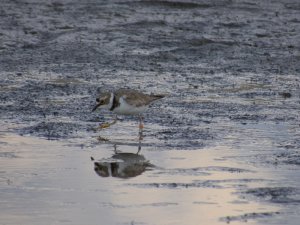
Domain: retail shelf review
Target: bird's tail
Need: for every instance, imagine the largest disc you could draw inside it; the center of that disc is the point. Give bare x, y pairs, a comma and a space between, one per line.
156, 97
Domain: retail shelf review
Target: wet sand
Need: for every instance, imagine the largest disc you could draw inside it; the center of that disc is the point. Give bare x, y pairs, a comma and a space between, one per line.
222, 147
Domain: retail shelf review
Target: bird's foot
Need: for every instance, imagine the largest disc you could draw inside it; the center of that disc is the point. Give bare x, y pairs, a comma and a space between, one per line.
141, 136
105, 125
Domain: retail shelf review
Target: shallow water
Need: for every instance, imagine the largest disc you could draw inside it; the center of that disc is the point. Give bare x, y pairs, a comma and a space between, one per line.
55, 181
222, 147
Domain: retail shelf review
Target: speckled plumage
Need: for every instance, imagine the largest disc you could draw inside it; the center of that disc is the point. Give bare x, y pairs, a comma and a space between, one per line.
126, 101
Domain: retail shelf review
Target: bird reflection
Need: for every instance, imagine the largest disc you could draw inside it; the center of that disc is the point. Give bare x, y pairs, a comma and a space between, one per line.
122, 165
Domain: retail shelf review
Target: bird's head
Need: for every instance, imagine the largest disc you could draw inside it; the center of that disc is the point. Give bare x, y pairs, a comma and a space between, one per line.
103, 102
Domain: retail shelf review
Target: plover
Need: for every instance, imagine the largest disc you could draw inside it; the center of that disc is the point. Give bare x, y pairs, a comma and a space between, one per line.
126, 102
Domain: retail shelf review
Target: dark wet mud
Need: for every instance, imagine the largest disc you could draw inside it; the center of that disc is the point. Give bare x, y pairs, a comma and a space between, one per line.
222, 147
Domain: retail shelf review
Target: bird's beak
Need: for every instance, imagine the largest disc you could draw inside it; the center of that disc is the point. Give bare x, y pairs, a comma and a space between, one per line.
96, 107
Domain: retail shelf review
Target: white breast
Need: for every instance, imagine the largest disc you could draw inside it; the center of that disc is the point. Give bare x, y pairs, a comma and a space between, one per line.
125, 109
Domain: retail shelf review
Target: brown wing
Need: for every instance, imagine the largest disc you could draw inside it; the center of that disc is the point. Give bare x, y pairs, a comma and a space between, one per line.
136, 98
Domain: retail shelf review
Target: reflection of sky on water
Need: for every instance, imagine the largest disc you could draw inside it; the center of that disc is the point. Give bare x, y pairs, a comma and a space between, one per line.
51, 181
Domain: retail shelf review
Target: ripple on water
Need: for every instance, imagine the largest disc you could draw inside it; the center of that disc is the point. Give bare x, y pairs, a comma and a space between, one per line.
276, 194
248, 216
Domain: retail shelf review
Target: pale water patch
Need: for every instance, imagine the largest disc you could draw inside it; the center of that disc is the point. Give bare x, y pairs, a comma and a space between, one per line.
55, 182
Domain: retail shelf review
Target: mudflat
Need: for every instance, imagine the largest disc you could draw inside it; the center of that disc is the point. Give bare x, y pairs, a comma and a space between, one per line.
221, 147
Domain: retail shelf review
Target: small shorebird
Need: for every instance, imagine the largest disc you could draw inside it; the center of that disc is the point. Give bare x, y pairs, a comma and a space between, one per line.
126, 102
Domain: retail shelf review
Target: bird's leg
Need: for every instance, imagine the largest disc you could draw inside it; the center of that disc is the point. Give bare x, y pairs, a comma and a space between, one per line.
103, 126
140, 147
106, 125
141, 126
140, 134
